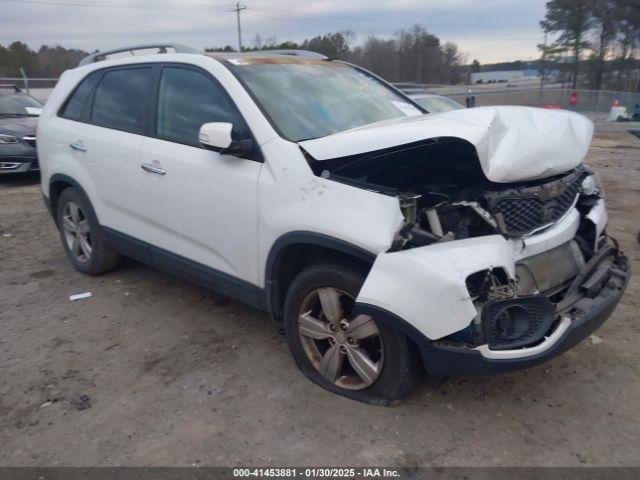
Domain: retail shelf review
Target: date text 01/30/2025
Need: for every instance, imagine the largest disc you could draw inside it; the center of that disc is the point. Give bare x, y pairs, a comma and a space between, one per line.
315, 472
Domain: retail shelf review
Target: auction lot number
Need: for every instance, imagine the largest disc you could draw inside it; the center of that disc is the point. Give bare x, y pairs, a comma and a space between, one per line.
342, 473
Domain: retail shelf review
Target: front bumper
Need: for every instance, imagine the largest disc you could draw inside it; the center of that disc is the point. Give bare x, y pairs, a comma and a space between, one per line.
582, 312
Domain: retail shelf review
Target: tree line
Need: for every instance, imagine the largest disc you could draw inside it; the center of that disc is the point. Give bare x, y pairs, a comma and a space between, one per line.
597, 42
46, 62
412, 55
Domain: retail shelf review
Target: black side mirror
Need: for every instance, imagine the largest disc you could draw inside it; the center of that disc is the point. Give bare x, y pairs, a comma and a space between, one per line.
239, 148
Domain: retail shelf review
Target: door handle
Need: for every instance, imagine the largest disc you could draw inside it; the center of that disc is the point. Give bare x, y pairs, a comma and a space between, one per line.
78, 146
149, 167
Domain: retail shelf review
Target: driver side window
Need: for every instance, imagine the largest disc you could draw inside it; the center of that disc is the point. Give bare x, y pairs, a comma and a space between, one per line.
187, 99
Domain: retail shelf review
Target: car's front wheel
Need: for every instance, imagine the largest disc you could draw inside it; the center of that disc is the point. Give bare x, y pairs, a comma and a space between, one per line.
352, 355
81, 235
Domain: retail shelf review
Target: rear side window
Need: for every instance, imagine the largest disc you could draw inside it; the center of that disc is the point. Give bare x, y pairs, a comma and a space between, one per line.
120, 101
74, 107
186, 100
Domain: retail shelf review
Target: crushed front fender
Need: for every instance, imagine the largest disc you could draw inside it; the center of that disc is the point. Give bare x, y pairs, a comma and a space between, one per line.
426, 286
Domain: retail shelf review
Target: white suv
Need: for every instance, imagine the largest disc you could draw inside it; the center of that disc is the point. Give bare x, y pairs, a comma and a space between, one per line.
380, 237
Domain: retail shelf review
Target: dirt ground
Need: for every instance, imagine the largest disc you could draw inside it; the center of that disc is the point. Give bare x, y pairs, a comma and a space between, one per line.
152, 370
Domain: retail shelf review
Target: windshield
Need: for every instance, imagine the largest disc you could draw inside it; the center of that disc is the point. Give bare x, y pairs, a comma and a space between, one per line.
436, 104
19, 105
312, 99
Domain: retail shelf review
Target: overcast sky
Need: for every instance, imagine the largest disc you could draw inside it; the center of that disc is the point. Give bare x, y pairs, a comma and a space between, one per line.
487, 30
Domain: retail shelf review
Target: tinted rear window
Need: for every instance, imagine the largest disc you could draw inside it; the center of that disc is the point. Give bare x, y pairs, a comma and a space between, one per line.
121, 99
75, 104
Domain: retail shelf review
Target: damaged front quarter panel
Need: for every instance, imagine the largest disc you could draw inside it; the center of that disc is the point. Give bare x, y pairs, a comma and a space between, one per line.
426, 286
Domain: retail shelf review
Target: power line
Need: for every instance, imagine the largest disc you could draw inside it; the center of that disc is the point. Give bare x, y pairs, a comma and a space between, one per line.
285, 17
316, 17
149, 6
324, 18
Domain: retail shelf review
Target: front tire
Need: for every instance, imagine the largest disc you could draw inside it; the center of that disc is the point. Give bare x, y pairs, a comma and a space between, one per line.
81, 235
352, 355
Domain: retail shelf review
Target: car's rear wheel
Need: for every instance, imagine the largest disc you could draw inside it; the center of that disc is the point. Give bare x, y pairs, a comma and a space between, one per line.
350, 354
81, 235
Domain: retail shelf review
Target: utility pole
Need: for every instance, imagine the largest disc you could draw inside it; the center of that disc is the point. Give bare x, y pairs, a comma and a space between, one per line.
238, 8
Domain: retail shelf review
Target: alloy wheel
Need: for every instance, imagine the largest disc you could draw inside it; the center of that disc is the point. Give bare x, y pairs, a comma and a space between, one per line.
346, 350
77, 232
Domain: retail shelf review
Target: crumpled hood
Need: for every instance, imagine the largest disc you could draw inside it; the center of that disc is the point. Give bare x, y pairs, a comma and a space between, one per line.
513, 143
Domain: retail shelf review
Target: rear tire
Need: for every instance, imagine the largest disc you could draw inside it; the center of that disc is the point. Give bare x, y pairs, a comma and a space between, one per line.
354, 356
82, 236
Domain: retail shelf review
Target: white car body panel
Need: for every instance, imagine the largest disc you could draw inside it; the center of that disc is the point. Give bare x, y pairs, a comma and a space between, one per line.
513, 143
290, 194
205, 208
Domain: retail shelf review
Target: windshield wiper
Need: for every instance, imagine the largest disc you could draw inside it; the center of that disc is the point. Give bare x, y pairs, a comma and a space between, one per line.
17, 115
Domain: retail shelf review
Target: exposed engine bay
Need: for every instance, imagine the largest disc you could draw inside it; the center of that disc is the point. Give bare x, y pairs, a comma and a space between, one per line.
445, 196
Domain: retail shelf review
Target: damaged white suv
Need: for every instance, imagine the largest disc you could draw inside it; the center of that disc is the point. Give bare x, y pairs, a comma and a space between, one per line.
379, 236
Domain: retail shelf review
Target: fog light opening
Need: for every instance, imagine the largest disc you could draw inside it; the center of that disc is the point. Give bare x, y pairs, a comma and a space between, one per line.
512, 322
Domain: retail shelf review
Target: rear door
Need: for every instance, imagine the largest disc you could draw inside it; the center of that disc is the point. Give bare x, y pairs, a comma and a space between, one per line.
203, 204
109, 143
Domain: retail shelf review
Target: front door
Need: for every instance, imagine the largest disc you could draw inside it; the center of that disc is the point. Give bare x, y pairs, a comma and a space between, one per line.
203, 205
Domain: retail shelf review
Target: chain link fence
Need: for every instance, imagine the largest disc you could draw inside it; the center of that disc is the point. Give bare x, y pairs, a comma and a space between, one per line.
594, 103
39, 88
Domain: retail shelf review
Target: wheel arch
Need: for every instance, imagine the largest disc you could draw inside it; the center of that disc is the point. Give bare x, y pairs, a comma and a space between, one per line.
295, 251
57, 184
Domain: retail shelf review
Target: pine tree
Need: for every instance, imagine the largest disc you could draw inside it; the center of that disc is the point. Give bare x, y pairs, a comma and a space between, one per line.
572, 19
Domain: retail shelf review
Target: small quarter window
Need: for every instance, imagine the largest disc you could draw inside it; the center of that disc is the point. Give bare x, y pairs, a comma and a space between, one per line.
74, 107
120, 100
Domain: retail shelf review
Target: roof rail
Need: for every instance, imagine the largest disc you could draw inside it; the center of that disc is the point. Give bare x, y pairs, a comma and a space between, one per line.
97, 57
293, 52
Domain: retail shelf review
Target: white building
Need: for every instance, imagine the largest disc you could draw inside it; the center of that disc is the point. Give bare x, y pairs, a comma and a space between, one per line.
505, 76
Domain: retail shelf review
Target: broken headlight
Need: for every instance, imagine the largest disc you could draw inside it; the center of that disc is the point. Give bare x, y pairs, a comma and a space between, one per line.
591, 186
